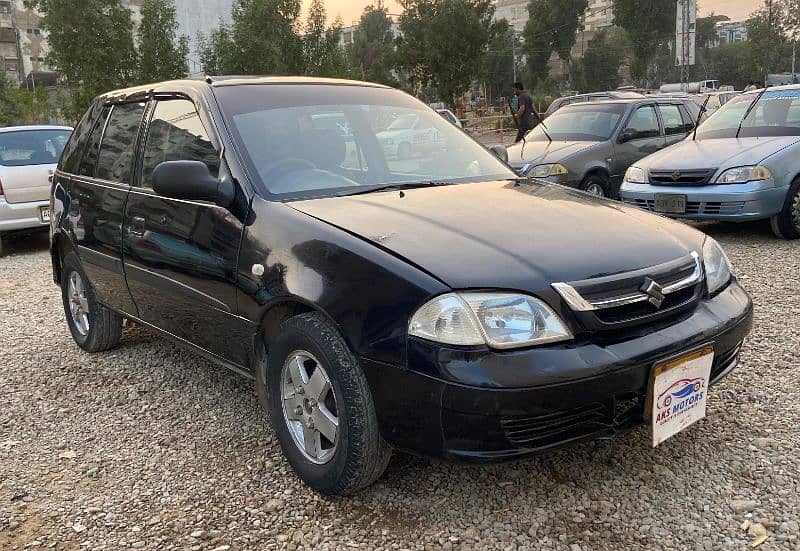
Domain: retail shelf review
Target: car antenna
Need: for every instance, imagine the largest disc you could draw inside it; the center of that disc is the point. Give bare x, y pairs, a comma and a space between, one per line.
700, 116
750, 108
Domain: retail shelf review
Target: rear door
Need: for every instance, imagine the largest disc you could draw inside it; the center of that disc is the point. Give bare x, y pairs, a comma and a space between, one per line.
180, 256
97, 201
28, 159
675, 128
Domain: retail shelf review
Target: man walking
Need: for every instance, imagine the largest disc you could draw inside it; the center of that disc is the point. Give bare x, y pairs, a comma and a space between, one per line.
525, 118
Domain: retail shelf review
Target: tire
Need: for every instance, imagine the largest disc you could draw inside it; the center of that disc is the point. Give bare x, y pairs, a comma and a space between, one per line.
357, 455
597, 185
404, 151
786, 224
94, 327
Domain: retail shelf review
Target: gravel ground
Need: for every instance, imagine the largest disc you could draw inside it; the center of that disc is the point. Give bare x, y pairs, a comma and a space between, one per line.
150, 447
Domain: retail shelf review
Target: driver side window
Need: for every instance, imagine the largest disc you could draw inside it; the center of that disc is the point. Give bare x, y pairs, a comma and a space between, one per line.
176, 133
643, 123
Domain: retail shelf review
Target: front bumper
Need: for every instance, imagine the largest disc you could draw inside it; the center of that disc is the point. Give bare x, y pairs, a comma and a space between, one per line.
21, 216
484, 405
734, 202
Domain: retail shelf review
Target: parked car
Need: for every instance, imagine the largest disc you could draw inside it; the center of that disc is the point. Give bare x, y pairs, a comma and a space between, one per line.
28, 157
407, 135
590, 145
743, 165
594, 96
444, 306
450, 117
716, 100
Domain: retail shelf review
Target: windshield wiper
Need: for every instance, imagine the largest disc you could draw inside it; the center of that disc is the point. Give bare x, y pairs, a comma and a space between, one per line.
700, 116
394, 187
750, 109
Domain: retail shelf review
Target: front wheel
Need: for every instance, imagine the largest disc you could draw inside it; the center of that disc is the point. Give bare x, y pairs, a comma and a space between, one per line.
596, 185
94, 327
321, 407
786, 224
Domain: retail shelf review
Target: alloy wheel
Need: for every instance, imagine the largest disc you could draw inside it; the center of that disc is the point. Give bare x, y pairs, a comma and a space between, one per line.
596, 189
796, 211
309, 407
78, 303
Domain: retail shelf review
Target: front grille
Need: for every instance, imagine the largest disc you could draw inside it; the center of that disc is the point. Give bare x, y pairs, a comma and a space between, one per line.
635, 298
710, 208
539, 431
691, 177
724, 362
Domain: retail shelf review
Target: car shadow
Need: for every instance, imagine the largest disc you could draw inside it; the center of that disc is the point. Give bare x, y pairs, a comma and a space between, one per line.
25, 243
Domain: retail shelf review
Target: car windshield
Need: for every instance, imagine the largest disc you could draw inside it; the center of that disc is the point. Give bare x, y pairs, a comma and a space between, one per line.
32, 147
286, 135
580, 122
777, 113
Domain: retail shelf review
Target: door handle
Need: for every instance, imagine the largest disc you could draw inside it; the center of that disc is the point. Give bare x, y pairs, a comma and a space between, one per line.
136, 226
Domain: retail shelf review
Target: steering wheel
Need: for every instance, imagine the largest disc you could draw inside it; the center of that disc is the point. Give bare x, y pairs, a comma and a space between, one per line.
279, 169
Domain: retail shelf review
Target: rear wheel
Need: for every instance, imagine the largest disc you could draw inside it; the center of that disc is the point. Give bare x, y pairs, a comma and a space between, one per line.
321, 407
595, 184
786, 224
94, 327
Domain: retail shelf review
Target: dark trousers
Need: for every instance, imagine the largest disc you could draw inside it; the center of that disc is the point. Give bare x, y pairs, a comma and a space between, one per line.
521, 133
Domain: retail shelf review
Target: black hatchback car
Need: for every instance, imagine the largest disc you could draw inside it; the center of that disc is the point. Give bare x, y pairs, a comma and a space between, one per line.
438, 304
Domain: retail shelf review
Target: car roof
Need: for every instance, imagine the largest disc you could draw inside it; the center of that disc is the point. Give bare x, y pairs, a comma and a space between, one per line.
627, 101
206, 82
776, 88
35, 127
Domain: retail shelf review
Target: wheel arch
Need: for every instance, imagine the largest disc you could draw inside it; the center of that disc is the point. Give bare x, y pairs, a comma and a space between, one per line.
60, 247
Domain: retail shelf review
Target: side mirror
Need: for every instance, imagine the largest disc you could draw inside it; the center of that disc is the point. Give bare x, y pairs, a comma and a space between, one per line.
192, 180
627, 135
500, 152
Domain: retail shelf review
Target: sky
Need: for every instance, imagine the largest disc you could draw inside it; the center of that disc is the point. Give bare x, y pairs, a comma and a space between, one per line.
350, 10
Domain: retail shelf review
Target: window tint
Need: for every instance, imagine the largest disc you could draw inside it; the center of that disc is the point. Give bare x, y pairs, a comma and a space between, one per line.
32, 147
117, 150
673, 122
644, 123
77, 142
177, 134
88, 162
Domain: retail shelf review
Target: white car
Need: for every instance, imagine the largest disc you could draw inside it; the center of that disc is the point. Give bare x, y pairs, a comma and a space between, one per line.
407, 135
28, 158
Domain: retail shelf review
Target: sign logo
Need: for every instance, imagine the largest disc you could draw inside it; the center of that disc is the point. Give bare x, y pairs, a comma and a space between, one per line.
654, 292
676, 175
682, 395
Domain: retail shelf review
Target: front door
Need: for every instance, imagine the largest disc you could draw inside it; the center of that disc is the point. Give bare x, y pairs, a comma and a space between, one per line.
180, 256
644, 137
675, 128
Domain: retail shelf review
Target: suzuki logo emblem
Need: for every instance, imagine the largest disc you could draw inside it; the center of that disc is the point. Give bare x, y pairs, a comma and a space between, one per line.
654, 292
676, 175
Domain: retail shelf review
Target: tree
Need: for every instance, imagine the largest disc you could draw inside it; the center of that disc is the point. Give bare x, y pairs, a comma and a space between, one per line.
602, 60
767, 31
215, 50
323, 54
162, 55
551, 28
373, 46
499, 65
650, 25
91, 44
443, 43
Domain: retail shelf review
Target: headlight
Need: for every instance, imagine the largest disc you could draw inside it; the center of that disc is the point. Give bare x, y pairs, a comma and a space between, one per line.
718, 267
543, 171
636, 175
743, 174
499, 320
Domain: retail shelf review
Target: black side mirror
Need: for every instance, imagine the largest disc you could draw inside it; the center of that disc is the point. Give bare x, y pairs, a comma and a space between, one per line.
192, 180
627, 135
500, 152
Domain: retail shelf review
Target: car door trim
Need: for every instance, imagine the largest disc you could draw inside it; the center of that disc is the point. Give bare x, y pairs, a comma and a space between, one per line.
100, 259
154, 279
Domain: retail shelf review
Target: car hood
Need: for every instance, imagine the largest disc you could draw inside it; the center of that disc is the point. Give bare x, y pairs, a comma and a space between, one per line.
717, 153
539, 152
506, 235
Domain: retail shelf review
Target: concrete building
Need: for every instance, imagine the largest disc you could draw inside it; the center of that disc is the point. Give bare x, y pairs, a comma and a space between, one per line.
729, 32
349, 33
599, 15
513, 11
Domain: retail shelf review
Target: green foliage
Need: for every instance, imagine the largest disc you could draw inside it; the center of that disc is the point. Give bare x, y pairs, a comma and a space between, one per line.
443, 43
215, 50
323, 55
22, 106
650, 25
372, 51
498, 70
767, 32
551, 28
602, 60
162, 54
264, 39
91, 44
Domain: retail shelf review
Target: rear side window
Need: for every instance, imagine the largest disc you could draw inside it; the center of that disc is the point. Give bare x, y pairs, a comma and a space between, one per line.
71, 157
176, 133
32, 147
673, 122
117, 150
88, 163
644, 123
